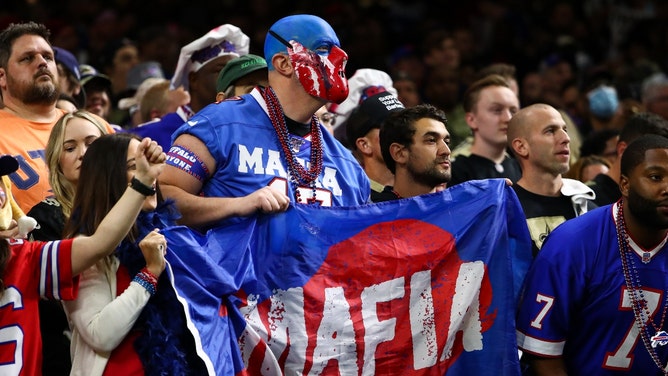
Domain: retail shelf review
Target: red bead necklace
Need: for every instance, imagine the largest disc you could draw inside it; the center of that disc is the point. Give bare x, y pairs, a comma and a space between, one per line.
641, 311
299, 175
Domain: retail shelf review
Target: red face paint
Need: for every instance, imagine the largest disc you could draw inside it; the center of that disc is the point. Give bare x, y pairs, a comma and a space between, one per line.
321, 76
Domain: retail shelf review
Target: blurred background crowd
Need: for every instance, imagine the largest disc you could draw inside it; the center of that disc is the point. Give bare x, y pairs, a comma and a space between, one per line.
560, 49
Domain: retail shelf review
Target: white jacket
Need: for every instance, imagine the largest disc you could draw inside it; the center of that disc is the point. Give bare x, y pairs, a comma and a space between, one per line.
99, 320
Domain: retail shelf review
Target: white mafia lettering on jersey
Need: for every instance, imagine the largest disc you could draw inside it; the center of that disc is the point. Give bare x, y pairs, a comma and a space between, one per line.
270, 162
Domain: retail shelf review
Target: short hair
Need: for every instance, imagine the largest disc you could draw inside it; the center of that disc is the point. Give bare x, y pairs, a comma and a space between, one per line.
595, 142
399, 128
643, 123
635, 152
518, 126
472, 94
16, 30
502, 69
154, 98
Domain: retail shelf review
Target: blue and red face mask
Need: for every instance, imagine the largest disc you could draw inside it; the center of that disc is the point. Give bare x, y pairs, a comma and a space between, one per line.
321, 73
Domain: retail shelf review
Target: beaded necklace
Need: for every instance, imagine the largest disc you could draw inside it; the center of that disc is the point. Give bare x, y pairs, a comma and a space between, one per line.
639, 304
298, 174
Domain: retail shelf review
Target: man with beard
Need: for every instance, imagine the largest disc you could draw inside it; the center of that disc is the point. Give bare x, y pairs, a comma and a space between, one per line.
538, 138
30, 90
29, 86
594, 300
415, 147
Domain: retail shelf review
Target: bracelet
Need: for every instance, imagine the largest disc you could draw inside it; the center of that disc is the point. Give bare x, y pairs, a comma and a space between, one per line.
147, 279
141, 187
142, 282
149, 276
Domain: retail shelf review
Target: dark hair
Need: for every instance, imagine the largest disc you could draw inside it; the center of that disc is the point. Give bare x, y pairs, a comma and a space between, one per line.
105, 59
69, 98
595, 142
16, 30
635, 152
472, 94
433, 40
103, 180
399, 128
643, 123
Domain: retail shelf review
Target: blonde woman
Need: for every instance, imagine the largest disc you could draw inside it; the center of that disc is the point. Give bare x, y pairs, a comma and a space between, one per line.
68, 141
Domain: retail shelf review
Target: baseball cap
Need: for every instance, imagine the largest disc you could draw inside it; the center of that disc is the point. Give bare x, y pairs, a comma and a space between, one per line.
237, 68
91, 75
358, 82
67, 59
126, 103
142, 71
371, 113
8, 164
223, 40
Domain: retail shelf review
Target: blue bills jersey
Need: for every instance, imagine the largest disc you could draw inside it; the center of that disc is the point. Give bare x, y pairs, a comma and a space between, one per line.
239, 135
575, 302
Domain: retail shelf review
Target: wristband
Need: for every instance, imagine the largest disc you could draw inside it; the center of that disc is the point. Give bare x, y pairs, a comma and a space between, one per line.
149, 276
145, 284
147, 280
141, 187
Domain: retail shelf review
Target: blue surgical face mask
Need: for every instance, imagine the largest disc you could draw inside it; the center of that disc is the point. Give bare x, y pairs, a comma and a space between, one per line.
603, 101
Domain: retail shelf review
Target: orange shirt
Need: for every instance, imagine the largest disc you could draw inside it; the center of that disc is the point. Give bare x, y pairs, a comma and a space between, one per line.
26, 141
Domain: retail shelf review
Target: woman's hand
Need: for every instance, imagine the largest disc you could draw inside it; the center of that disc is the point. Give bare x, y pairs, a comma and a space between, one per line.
154, 248
150, 161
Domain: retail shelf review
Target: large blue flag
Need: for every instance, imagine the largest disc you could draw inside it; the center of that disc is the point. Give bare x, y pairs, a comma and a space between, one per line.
420, 286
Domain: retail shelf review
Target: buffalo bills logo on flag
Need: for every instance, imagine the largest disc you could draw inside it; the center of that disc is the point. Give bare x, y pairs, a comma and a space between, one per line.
421, 286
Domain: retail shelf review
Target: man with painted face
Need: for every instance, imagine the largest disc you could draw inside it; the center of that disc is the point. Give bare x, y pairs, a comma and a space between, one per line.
266, 149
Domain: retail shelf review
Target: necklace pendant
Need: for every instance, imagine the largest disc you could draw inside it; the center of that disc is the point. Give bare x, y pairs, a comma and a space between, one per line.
659, 339
646, 257
296, 143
